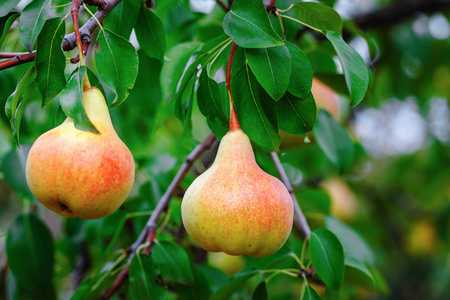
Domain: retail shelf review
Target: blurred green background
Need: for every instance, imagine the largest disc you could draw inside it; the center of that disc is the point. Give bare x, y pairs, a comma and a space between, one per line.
396, 194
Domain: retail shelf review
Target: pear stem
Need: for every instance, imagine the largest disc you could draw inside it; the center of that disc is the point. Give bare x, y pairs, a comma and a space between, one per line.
234, 123
75, 13
299, 220
148, 234
86, 83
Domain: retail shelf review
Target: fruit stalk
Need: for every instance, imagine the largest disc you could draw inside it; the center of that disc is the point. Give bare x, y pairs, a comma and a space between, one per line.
234, 123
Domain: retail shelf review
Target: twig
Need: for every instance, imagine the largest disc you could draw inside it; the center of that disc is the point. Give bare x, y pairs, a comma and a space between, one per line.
224, 7
70, 41
308, 273
299, 220
148, 234
17, 60
12, 54
398, 11
270, 5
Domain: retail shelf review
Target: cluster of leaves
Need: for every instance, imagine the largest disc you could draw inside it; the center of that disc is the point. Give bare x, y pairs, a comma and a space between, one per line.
271, 83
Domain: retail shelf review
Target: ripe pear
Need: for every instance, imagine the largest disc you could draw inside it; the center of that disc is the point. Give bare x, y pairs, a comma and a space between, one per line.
81, 174
235, 207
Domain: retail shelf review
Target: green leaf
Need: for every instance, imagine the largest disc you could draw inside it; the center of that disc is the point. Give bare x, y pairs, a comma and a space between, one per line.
173, 262
173, 68
151, 34
354, 263
12, 166
260, 292
354, 245
198, 290
30, 252
327, 257
6, 6
247, 23
355, 70
256, 111
310, 294
94, 81
32, 20
122, 18
328, 2
71, 99
318, 16
301, 72
16, 102
187, 80
211, 103
117, 64
296, 115
5, 24
272, 68
237, 282
334, 140
143, 274
50, 60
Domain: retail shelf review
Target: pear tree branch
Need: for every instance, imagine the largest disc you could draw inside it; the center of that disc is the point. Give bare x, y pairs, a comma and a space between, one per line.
299, 220
104, 7
148, 234
15, 59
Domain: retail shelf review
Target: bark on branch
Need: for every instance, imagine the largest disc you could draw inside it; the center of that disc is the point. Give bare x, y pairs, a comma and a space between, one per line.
299, 217
104, 7
148, 234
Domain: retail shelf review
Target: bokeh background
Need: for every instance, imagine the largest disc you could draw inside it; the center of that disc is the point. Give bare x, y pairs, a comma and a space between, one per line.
396, 195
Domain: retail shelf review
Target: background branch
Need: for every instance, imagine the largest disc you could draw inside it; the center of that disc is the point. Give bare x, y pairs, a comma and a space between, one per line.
299, 218
148, 234
398, 12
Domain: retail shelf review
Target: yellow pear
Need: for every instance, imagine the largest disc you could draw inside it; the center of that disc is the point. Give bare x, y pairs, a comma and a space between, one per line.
235, 207
81, 174
229, 264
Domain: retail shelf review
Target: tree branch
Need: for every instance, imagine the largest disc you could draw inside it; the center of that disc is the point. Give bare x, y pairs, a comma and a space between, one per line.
399, 11
16, 60
299, 220
148, 234
70, 41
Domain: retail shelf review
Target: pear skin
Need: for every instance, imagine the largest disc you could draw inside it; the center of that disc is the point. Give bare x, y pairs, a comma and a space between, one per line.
81, 174
235, 207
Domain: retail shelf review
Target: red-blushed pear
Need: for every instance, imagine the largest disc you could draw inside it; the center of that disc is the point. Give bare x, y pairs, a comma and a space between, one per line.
235, 207
81, 174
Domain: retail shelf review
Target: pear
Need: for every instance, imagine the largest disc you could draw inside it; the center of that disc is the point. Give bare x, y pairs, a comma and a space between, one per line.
235, 207
81, 174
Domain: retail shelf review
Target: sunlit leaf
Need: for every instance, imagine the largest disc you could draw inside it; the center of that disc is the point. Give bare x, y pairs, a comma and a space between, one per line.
272, 69
248, 25
355, 70
72, 101
327, 257
318, 16
32, 20
255, 109
50, 60
117, 64
151, 34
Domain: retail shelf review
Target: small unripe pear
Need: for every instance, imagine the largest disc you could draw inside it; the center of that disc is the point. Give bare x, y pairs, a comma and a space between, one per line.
81, 174
235, 207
